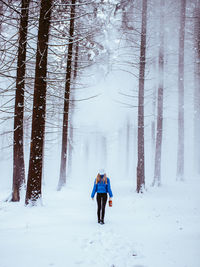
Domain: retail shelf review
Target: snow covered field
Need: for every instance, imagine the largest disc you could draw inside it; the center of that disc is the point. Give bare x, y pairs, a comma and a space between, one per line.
157, 229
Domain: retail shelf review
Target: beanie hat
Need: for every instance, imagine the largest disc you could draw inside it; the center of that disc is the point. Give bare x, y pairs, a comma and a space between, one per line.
101, 171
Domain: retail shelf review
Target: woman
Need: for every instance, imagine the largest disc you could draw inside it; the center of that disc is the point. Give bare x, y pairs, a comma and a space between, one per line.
102, 188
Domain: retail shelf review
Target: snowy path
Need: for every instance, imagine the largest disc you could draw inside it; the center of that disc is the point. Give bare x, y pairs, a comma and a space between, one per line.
158, 229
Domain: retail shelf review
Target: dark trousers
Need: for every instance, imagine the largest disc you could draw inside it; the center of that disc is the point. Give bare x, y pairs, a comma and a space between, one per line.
101, 204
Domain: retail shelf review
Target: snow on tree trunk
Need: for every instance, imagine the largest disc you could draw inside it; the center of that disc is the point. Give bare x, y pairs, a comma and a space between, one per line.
140, 164
34, 190
197, 87
180, 156
18, 142
63, 163
159, 132
72, 107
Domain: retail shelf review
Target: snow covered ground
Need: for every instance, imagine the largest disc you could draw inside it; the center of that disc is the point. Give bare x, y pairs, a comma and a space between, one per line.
157, 229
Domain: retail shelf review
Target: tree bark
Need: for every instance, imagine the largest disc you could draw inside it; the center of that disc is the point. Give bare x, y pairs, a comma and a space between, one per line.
18, 144
72, 106
180, 156
140, 164
197, 87
159, 132
62, 178
34, 190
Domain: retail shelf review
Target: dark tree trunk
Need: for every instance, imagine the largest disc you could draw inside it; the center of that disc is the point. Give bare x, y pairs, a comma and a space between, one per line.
34, 190
180, 156
18, 144
140, 164
197, 88
159, 132
63, 163
76, 61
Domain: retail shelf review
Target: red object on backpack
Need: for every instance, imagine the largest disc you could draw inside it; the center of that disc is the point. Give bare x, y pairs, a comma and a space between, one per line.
110, 203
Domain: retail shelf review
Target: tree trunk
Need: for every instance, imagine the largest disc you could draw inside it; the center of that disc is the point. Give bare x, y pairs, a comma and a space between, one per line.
159, 132
62, 178
34, 190
140, 164
128, 126
180, 156
72, 106
197, 88
153, 122
76, 61
18, 144
1, 14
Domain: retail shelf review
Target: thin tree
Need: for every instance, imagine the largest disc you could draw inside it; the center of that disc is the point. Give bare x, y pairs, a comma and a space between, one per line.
18, 144
159, 132
72, 107
140, 163
197, 87
63, 163
180, 156
34, 190
128, 128
1, 14
153, 122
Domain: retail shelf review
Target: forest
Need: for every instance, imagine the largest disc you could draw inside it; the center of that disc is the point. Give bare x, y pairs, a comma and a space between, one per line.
92, 84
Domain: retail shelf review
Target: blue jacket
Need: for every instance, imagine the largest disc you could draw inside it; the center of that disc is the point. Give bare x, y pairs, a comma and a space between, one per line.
102, 187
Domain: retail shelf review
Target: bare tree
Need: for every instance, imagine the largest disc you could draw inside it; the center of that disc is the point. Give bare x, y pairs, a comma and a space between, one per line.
180, 156
34, 190
1, 14
159, 132
128, 128
63, 163
18, 144
197, 87
72, 107
140, 164
153, 122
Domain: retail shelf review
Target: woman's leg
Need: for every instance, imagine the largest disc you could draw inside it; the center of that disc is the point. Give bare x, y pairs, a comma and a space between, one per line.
104, 200
98, 206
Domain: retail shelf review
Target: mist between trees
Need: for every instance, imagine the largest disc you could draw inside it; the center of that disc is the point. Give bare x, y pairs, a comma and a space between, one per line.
117, 80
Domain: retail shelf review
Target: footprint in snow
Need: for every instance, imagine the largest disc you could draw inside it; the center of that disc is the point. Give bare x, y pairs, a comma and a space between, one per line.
119, 250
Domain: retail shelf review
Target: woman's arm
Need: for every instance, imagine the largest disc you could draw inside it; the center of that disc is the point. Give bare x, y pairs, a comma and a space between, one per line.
109, 188
94, 189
